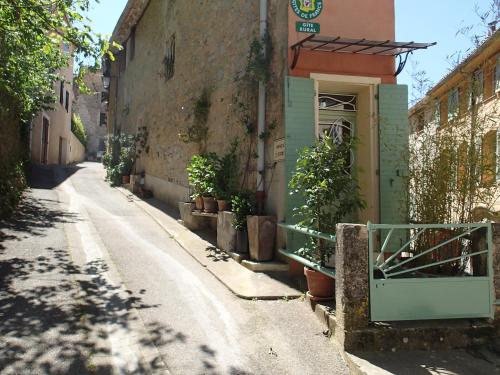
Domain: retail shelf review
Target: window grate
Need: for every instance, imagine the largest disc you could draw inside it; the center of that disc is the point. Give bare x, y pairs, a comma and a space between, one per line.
169, 60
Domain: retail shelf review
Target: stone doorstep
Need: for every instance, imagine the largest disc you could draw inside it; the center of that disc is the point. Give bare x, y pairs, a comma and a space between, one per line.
414, 335
272, 266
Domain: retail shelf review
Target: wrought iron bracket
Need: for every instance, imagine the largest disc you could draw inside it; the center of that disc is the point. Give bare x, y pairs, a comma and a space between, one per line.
402, 63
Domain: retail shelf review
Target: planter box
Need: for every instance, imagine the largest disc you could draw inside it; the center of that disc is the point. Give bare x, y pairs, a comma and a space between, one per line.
261, 237
191, 222
226, 234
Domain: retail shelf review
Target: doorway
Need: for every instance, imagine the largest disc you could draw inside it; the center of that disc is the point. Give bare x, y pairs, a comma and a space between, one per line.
45, 141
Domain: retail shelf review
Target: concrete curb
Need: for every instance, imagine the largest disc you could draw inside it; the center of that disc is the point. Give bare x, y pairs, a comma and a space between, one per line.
242, 282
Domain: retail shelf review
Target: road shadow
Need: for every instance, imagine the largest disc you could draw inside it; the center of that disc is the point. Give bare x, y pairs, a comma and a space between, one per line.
47, 177
34, 216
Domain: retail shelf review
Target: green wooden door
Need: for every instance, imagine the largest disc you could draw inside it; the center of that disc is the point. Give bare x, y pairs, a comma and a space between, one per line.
300, 105
393, 153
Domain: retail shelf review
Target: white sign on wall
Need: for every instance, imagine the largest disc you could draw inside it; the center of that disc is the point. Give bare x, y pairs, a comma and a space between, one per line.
279, 149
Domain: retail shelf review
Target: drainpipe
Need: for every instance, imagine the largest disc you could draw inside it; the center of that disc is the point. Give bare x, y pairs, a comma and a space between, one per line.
261, 124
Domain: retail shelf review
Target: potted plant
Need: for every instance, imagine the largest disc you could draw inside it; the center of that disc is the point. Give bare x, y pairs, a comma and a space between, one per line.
202, 176
325, 179
227, 177
242, 204
127, 157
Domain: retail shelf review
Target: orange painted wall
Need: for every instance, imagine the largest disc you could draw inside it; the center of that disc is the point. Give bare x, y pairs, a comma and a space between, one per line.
369, 19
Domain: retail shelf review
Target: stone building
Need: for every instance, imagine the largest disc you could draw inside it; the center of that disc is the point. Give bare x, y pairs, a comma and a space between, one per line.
342, 77
91, 107
51, 138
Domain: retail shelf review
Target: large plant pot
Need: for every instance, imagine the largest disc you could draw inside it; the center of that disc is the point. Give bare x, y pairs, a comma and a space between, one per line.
321, 287
125, 180
223, 205
241, 241
198, 203
261, 237
210, 205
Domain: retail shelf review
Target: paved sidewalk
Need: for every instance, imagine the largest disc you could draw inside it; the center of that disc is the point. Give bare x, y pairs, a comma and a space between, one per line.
240, 280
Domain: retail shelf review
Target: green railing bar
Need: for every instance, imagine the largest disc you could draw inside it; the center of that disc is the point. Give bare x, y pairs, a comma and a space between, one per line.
432, 249
383, 265
386, 243
324, 270
309, 232
372, 226
436, 263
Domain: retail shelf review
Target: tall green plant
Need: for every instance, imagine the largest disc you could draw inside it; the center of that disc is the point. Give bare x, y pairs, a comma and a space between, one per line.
78, 129
228, 173
326, 182
242, 205
202, 174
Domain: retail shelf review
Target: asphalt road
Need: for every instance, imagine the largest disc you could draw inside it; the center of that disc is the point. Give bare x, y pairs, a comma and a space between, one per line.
90, 284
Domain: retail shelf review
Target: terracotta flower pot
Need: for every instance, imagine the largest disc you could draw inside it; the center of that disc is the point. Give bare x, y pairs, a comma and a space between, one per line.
321, 287
210, 205
125, 180
223, 205
198, 203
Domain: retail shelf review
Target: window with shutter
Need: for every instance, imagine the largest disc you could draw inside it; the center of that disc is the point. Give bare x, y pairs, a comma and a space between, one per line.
476, 88
497, 75
453, 104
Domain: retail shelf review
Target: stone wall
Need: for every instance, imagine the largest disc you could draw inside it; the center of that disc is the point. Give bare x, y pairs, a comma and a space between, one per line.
89, 108
212, 43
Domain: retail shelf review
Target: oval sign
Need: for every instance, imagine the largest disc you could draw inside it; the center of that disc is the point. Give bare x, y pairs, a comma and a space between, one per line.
307, 9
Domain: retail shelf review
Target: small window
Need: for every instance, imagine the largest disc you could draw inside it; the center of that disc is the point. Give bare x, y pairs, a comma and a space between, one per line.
169, 60
496, 76
489, 156
131, 45
436, 114
61, 93
102, 119
102, 144
476, 88
67, 101
453, 104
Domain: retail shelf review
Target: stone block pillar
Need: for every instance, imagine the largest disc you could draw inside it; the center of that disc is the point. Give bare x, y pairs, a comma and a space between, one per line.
351, 283
226, 234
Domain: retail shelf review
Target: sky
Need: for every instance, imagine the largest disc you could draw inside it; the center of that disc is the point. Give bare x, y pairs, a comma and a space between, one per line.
416, 20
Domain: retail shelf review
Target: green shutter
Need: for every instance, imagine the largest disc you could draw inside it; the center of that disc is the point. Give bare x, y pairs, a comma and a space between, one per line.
299, 133
393, 153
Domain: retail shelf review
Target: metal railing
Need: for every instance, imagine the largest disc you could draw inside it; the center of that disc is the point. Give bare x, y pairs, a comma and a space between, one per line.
311, 233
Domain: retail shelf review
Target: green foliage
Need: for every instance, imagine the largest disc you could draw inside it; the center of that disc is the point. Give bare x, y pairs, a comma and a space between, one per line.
12, 185
198, 131
259, 60
128, 148
202, 174
31, 35
326, 182
78, 129
242, 205
227, 174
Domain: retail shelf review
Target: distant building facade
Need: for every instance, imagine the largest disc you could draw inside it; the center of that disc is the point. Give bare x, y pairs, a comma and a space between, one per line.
51, 139
91, 108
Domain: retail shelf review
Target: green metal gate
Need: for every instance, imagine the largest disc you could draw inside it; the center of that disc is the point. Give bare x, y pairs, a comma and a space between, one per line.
415, 281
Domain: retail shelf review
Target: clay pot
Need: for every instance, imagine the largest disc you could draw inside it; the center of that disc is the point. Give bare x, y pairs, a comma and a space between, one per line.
210, 205
321, 287
198, 203
223, 205
261, 237
125, 180
241, 241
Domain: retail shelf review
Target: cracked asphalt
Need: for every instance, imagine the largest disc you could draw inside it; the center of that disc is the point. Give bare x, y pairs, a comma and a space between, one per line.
90, 284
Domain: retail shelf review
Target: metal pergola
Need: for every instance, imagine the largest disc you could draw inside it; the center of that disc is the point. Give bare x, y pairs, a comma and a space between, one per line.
363, 46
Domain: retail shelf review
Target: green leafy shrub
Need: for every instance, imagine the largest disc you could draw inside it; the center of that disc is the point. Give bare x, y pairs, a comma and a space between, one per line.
326, 181
78, 129
12, 186
228, 173
202, 174
242, 205
127, 152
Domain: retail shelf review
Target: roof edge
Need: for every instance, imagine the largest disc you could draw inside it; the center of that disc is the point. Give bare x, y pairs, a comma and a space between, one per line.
129, 18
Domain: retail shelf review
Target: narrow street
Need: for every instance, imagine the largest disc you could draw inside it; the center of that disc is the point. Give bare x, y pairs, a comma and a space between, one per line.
89, 283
